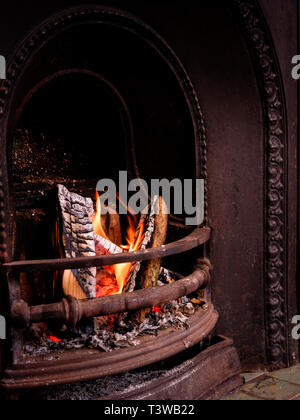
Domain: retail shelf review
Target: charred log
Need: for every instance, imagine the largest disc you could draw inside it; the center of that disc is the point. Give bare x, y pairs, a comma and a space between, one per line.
78, 239
150, 270
149, 224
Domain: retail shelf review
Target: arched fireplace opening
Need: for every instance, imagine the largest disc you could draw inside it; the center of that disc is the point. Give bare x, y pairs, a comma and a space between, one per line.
75, 126
96, 92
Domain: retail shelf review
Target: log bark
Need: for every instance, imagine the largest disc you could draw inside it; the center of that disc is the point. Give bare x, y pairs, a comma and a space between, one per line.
150, 269
148, 221
149, 272
78, 241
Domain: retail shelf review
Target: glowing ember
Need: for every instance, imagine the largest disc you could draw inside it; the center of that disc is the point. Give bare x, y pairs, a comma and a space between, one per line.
106, 283
157, 309
111, 280
55, 339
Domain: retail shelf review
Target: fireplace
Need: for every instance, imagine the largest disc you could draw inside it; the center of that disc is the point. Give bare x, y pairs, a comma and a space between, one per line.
74, 119
95, 91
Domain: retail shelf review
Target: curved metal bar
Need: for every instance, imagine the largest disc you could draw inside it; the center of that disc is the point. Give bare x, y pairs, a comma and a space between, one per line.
71, 310
198, 237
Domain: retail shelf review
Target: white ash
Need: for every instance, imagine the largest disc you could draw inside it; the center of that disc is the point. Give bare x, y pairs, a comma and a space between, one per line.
116, 386
189, 309
125, 333
101, 388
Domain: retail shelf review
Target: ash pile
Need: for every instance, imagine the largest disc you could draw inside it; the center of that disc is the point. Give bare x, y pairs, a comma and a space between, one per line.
116, 332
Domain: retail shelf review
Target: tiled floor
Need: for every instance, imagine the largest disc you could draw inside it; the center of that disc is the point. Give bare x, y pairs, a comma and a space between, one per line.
281, 385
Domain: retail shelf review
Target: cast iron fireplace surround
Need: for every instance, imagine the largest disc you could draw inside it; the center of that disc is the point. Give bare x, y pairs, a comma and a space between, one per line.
254, 42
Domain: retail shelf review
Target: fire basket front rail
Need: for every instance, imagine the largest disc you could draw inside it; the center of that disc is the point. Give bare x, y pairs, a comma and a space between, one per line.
198, 237
72, 310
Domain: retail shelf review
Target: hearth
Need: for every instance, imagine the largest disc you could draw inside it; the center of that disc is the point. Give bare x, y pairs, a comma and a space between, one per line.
190, 375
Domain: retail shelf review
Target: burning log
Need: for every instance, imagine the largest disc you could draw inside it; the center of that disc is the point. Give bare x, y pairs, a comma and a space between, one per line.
71, 287
114, 230
150, 270
105, 246
85, 233
78, 241
111, 225
148, 221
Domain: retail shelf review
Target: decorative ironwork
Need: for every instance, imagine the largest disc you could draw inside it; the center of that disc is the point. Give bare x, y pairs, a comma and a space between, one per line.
270, 83
3, 234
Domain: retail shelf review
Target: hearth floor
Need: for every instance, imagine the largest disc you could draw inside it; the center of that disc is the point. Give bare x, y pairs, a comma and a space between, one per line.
281, 385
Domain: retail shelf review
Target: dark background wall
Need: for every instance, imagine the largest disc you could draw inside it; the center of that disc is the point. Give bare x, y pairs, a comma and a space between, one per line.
208, 39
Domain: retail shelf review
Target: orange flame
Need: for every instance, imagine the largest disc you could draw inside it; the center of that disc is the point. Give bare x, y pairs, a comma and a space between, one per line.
109, 285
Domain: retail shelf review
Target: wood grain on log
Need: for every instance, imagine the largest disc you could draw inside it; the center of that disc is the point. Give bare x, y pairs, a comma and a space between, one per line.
71, 286
111, 225
114, 230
